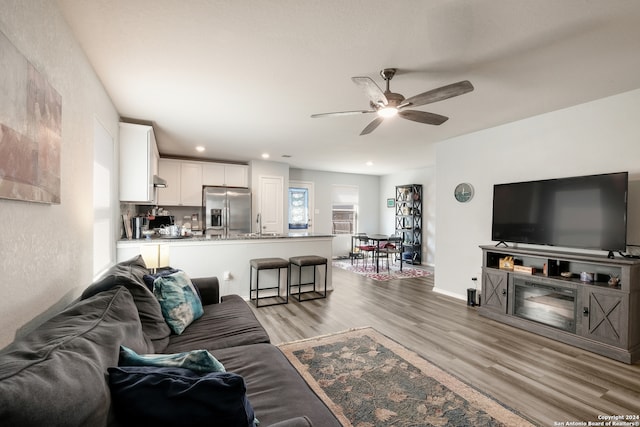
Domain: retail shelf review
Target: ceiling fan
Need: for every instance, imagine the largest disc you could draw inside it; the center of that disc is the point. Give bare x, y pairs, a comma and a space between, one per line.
389, 104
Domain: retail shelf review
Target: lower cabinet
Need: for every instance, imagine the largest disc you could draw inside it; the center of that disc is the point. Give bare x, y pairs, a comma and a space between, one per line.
494, 290
605, 315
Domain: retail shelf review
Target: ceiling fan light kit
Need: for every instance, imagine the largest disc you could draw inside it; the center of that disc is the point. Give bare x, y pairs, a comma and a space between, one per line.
388, 104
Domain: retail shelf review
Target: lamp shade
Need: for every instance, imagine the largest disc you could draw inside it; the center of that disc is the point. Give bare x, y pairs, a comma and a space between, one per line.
155, 256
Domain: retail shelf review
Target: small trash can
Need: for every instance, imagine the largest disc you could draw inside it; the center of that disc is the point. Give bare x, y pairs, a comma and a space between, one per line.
471, 297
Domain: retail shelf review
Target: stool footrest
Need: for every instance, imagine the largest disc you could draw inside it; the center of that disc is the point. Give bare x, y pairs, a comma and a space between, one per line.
261, 264
307, 261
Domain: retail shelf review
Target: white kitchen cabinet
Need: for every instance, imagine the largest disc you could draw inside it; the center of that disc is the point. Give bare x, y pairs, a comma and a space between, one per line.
225, 174
138, 163
184, 183
169, 170
191, 184
213, 174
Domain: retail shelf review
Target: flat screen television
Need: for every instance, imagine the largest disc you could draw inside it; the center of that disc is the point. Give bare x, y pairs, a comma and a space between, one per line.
587, 212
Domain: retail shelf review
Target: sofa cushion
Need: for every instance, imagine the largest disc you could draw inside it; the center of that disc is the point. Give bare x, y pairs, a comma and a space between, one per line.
129, 274
196, 360
144, 395
227, 324
55, 375
272, 380
178, 299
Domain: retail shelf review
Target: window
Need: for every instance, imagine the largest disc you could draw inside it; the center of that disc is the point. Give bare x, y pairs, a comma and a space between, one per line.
298, 208
344, 210
103, 196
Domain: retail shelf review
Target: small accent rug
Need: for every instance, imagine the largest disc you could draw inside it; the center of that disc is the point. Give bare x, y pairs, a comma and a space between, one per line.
368, 380
384, 274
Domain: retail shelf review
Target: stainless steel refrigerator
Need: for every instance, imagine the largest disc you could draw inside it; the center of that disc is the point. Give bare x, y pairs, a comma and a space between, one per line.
227, 210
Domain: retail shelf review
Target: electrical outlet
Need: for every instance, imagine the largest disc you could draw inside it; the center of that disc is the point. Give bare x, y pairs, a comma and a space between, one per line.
226, 275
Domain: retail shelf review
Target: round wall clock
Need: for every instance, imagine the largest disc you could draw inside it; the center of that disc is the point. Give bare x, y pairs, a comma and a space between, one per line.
463, 192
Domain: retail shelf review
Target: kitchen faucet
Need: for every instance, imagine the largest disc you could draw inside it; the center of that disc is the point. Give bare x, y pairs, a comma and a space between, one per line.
259, 221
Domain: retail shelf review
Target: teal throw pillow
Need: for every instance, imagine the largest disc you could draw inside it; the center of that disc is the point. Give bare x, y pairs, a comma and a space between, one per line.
178, 301
197, 360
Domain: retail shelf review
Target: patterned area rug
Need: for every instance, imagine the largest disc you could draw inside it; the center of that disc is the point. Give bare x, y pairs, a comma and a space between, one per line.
384, 274
369, 380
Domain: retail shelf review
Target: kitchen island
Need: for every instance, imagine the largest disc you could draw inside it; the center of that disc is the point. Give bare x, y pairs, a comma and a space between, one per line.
228, 258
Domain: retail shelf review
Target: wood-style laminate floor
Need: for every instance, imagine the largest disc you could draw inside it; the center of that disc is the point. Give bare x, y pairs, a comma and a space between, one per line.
549, 382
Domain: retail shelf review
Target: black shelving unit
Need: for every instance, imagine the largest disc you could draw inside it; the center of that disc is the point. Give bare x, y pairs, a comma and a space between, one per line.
409, 221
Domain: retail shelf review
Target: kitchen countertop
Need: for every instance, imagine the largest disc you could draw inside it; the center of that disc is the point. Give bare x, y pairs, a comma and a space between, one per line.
243, 237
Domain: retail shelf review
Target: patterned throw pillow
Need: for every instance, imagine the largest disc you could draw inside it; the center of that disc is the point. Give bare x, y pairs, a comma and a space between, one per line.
179, 303
197, 360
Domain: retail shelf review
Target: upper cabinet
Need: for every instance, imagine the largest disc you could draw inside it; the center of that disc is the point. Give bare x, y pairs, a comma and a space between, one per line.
191, 183
185, 179
138, 163
184, 183
225, 174
169, 170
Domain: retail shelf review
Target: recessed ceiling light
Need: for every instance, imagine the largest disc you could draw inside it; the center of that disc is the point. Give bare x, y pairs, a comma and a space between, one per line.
265, 155
199, 148
369, 163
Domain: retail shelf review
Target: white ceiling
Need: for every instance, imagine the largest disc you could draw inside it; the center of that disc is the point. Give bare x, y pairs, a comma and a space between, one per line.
243, 77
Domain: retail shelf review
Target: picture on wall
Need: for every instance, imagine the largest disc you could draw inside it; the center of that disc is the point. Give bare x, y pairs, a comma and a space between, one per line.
30, 130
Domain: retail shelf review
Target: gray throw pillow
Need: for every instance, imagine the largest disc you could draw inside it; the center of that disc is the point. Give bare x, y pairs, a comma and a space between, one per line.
130, 274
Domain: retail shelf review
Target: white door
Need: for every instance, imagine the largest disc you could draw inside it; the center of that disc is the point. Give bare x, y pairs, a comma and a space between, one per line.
271, 203
301, 208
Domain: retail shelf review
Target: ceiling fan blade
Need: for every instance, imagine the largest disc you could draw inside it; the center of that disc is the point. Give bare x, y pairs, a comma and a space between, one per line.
372, 126
342, 113
423, 117
439, 94
373, 91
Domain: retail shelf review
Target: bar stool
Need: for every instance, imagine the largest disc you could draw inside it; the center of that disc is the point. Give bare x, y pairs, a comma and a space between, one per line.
268, 264
313, 261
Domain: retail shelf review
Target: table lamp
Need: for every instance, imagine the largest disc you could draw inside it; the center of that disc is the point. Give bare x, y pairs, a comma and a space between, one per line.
155, 256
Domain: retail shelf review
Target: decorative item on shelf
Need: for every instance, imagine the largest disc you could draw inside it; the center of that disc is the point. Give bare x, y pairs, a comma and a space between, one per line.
586, 277
614, 280
524, 269
506, 263
567, 274
155, 256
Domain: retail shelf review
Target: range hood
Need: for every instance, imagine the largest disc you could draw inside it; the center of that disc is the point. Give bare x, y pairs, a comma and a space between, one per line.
159, 182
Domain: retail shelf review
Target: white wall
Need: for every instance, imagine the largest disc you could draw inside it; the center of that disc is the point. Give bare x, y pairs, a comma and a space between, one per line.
427, 178
596, 137
46, 250
369, 202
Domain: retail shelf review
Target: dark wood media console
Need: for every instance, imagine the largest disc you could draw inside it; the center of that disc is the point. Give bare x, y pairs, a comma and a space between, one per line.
596, 316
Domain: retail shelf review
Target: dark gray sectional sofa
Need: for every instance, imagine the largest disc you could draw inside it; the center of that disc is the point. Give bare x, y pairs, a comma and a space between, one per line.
57, 375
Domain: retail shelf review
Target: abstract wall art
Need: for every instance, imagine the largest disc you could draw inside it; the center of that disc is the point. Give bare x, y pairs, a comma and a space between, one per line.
30, 130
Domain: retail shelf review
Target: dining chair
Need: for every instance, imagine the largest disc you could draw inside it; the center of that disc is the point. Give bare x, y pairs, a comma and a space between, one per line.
366, 247
391, 247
